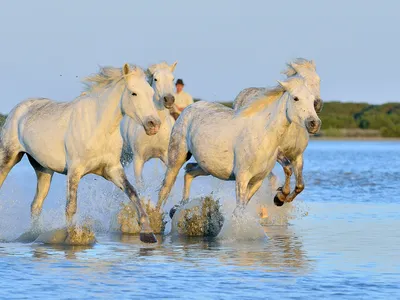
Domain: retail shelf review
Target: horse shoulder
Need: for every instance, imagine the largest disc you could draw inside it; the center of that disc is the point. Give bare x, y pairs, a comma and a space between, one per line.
295, 141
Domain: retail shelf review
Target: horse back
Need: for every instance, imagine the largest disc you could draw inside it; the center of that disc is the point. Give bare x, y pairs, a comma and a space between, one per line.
247, 96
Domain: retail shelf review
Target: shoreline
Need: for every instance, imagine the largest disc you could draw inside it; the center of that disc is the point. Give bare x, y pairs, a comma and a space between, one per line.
361, 138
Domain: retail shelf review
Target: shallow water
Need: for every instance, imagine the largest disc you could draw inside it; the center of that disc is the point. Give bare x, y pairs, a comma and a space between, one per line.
343, 241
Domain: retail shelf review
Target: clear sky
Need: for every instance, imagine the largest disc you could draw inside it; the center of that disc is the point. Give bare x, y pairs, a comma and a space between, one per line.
221, 46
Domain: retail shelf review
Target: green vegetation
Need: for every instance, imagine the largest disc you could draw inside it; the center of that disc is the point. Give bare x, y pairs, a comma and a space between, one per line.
2, 120
383, 119
340, 119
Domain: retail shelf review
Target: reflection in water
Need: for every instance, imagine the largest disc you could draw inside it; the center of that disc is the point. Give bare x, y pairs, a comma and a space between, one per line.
41, 251
343, 242
283, 250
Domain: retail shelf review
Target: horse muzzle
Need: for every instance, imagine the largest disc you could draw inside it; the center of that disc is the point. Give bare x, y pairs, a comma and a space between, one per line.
152, 125
169, 101
313, 125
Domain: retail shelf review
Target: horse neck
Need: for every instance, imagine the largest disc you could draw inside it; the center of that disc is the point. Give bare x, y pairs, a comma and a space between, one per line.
109, 114
163, 112
273, 119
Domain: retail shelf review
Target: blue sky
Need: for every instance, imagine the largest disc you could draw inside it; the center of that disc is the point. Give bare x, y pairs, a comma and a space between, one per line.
221, 46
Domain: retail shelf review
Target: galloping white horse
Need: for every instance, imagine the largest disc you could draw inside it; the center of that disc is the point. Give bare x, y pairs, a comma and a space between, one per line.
143, 146
241, 145
80, 137
296, 138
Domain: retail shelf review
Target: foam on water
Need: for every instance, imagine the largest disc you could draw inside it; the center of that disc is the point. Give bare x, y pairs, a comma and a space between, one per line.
100, 201
242, 227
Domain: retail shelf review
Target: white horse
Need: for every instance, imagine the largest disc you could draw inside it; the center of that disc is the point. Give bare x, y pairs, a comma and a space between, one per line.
143, 146
296, 138
80, 137
241, 145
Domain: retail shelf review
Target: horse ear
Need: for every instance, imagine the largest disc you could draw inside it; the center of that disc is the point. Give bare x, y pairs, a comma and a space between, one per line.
313, 64
126, 69
173, 66
283, 84
152, 69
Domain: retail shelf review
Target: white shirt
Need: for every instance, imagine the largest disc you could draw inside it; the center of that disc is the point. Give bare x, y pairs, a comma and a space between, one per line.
183, 99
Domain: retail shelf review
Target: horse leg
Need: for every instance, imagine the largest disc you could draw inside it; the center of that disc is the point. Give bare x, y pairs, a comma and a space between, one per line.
284, 191
44, 177
73, 178
273, 180
164, 159
177, 156
242, 193
7, 162
253, 188
298, 173
42, 189
193, 170
168, 182
118, 177
138, 163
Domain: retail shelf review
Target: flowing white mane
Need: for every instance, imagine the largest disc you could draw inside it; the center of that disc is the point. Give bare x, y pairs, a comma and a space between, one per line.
106, 77
302, 62
270, 96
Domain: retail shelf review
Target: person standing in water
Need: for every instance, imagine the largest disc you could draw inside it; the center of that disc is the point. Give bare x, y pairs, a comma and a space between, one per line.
182, 99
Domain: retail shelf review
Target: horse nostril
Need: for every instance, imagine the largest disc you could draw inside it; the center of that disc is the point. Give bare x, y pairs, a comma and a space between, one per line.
151, 124
169, 99
313, 124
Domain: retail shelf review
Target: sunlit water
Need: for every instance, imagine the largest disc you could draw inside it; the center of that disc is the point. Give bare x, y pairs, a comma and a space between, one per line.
342, 241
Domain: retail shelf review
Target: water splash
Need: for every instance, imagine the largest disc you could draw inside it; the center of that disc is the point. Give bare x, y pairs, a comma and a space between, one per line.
100, 201
242, 226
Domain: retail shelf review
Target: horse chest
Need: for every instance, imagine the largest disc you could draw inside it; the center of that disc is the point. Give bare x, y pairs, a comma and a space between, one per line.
294, 142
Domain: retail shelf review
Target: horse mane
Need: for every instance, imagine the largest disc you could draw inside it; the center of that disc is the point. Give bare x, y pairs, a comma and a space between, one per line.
152, 68
304, 63
270, 96
105, 77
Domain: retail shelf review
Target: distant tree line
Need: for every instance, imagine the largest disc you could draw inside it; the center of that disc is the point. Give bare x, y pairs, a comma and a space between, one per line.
351, 119
2, 120
384, 117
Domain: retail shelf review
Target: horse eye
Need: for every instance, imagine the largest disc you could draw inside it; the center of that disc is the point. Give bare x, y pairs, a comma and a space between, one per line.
296, 99
155, 79
134, 94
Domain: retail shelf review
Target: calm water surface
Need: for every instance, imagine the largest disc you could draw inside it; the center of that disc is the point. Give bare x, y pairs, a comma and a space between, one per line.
344, 245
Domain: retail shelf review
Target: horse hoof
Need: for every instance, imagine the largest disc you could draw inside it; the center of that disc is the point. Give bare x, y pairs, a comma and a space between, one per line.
173, 211
148, 238
277, 201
